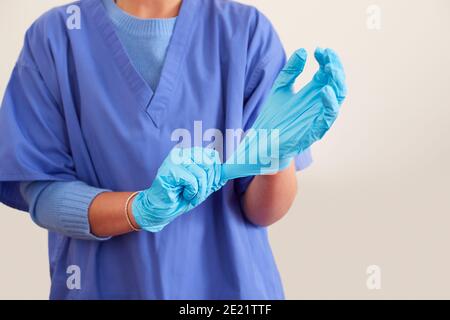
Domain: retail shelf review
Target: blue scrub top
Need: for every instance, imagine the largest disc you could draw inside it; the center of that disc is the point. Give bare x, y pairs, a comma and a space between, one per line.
77, 109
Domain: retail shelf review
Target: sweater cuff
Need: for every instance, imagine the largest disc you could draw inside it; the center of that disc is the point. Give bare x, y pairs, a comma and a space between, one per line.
64, 206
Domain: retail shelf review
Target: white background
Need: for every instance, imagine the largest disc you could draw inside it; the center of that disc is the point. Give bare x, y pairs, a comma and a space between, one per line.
378, 190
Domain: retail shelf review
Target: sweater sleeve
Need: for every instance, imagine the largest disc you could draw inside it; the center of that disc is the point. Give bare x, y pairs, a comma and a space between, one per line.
61, 207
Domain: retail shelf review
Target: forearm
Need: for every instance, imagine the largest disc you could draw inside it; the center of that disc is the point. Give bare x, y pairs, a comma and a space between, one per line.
61, 206
77, 210
269, 197
107, 215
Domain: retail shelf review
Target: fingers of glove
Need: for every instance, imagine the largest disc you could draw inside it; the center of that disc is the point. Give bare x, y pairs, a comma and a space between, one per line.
195, 154
209, 157
203, 165
178, 156
213, 155
332, 68
293, 68
212, 165
186, 183
334, 59
202, 183
331, 105
328, 56
337, 81
321, 56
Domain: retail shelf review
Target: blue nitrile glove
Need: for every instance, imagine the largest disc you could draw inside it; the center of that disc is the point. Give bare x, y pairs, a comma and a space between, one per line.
184, 180
300, 118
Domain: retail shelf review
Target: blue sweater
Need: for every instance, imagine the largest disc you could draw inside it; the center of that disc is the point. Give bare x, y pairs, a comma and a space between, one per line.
63, 206
146, 41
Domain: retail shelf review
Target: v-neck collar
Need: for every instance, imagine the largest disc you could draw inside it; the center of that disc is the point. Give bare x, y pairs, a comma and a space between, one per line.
153, 103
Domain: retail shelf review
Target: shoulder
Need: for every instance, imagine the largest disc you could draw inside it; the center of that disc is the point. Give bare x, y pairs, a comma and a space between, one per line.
230, 7
53, 22
246, 27
241, 17
46, 34
55, 17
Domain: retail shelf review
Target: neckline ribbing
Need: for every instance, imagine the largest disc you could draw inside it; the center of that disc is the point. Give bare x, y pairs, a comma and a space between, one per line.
137, 26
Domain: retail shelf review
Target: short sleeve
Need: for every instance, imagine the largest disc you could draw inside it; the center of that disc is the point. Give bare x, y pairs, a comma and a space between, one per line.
303, 160
33, 137
265, 61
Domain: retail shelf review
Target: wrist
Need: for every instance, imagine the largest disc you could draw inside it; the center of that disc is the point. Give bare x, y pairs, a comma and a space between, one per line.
129, 212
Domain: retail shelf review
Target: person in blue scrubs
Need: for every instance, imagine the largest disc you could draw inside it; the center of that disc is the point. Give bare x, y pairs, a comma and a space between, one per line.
88, 118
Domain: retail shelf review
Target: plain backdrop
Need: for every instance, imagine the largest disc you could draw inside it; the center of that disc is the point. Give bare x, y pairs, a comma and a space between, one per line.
377, 193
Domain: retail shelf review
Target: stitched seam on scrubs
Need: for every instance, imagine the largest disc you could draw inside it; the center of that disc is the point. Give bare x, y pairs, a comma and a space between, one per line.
106, 27
171, 72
